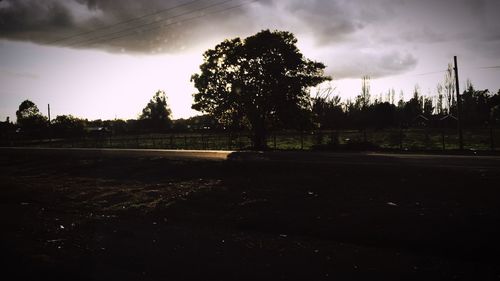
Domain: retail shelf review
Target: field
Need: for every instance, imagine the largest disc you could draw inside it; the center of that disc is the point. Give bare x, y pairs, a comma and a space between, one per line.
389, 139
88, 217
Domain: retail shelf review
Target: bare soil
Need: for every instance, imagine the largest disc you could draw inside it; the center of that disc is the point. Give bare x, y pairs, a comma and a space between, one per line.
151, 218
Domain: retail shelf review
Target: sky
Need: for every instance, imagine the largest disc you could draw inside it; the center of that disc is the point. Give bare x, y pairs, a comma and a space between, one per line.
106, 58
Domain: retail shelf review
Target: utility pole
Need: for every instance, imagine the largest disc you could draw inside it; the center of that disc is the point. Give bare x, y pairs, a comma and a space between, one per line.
50, 133
459, 107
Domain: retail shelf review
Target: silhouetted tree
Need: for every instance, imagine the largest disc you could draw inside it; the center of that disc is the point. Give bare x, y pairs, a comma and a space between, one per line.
390, 96
327, 109
495, 115
260, 83
29, 118
363, 99
95, 123
67, 126
449, 90
156, 114
118, 126
383, 115
6, 128
427, 106
439, 103
413, 107
475, 108
196, 123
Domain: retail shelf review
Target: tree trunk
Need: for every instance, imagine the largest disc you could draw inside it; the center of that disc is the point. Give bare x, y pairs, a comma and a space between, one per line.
259, 135
259, 140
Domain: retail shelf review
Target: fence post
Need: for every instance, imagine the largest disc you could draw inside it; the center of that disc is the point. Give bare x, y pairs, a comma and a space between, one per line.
301, 140
274, 140
401, 136
442, 139
492, 141
185, 142
427, 139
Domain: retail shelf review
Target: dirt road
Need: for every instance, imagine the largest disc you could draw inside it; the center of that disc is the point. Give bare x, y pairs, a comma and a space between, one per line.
337, 158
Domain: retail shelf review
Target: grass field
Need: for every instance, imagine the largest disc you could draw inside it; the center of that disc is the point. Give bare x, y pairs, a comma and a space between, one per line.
150, 218
390, 139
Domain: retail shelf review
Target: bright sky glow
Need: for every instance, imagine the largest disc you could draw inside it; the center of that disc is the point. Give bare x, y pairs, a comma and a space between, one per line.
399, 44
93, 84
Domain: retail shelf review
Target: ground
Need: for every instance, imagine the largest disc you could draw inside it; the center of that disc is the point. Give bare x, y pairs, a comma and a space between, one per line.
96, 217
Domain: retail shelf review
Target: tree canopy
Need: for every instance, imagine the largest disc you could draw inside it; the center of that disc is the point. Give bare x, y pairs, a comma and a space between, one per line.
29, 117
156, 114
257, 83
68, 126
26, 110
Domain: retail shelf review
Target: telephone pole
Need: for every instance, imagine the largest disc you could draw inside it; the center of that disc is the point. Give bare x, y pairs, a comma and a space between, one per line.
459, 107
50, 133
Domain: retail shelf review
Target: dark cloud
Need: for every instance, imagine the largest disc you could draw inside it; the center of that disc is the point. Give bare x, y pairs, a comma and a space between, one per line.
55, 22
19, 19
46, 21
380, 32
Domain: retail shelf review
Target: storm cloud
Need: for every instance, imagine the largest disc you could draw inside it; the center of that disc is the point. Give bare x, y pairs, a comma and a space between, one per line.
352, 37
116, 26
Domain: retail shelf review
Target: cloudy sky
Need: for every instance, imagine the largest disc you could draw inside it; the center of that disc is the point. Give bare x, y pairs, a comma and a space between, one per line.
106, 58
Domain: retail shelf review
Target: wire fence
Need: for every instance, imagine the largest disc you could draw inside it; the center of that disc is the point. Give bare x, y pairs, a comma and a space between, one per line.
388, 139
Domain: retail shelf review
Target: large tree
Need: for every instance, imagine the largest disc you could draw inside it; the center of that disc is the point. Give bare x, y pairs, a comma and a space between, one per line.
156, 114
258, 83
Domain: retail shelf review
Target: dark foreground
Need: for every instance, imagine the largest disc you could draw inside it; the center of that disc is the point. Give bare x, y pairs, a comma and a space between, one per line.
75, 217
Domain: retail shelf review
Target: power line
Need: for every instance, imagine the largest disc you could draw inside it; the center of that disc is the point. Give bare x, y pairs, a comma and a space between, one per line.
190, 19
429, 73
106, 37
103, 36
443, 71
490, 67
124, 22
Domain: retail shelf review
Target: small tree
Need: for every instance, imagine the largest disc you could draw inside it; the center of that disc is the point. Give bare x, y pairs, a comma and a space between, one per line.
327, 112
449, 89
259, 83
364, 97
439, 103
156, 114
414, 107
29, 117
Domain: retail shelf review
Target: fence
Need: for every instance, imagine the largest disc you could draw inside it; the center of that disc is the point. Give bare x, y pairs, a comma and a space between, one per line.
392, 139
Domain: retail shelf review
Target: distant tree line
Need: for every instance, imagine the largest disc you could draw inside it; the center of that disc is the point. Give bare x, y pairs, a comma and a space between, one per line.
155, 118
324, 111
480, 108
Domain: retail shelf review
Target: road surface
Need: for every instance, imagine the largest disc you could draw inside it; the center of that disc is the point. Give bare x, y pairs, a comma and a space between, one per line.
334, 158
